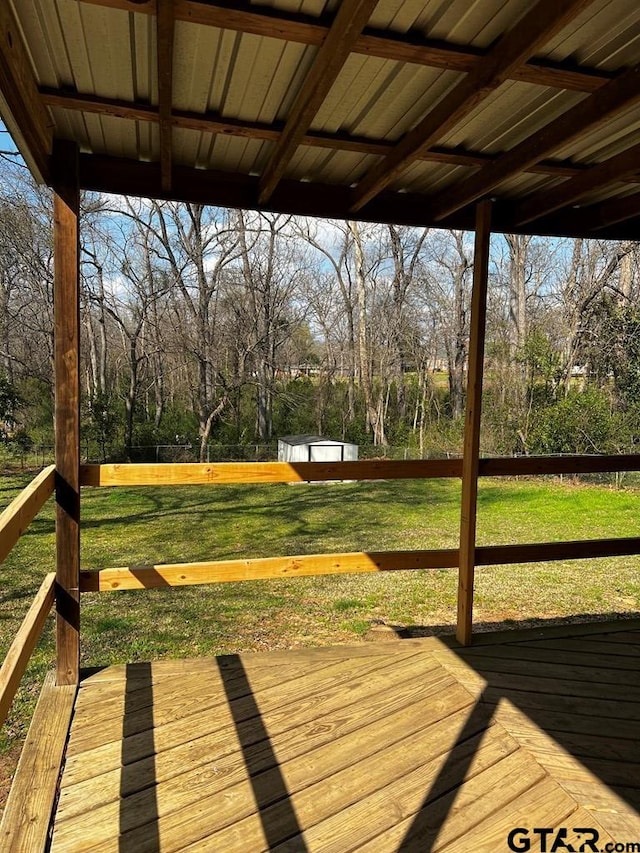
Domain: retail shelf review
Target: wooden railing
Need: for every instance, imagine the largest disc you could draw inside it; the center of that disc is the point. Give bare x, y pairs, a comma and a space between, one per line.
24, 643
13, 522
224, 473
16, 518
22, 510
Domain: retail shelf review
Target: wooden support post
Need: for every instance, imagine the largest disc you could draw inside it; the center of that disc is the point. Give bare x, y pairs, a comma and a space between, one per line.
472, 423
67, 409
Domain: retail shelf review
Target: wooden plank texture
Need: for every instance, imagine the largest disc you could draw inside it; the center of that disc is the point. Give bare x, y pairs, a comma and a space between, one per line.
17, 657
305, 565
224, 473
15, 519
385, 693
221, 571
275, 699
200, 793
26, 819
379, 752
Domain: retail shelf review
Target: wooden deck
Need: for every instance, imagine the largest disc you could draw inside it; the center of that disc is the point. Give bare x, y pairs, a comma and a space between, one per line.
408, 745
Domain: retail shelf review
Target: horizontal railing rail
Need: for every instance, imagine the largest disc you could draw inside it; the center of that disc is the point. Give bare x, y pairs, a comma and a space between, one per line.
221, 571
15, 663
306, 565
228, 473
15, 519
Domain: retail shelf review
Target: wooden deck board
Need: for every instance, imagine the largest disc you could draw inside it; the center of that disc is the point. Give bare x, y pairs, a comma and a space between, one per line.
332, 688
291, 735
27, 816
409, 745
600, 645
354, 765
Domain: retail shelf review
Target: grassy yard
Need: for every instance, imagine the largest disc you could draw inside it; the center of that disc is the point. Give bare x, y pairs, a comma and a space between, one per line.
144, 525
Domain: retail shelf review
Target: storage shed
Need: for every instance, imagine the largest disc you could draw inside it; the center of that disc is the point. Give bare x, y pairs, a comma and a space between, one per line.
315, 448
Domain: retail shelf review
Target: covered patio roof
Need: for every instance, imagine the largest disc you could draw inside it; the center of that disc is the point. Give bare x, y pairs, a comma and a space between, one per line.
390, 110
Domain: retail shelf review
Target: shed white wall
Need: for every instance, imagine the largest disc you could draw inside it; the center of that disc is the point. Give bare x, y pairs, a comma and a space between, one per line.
325, 451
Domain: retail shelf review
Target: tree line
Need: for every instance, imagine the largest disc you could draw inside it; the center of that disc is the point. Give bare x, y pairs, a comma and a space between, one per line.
202, 325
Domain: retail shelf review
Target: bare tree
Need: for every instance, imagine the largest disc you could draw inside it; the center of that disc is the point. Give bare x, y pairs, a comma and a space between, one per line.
271, 270
334, 301
406, 246
451, 264
196, 244
591, 267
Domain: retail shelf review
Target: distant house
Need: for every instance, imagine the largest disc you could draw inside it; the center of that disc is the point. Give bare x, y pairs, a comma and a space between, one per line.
315, 448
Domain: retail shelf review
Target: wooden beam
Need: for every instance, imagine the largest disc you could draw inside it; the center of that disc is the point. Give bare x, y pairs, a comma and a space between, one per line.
216, 123
165, 27
224, 473
597, 217
306, 565
23, 509
226, 189
539, 24
399, 47
24, 643
351, 18
26, 821
223, 571
67, 408
529, 466
600, 107
612, 171
545, 552
23, 112
470, 459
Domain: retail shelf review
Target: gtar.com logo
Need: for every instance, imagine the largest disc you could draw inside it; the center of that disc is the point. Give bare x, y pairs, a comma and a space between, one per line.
551, 840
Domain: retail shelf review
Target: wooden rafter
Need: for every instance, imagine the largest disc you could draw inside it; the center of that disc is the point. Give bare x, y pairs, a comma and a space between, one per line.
25, 115
614, 170
347, 26
216, 123
592, 111
165, 26
510, 51
410, 47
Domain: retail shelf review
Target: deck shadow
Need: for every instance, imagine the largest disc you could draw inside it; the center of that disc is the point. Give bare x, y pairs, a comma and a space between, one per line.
269, 787
442, 794
598, 739
139, 679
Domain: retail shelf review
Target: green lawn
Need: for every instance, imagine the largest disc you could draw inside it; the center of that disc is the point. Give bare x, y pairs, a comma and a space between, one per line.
144, 525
